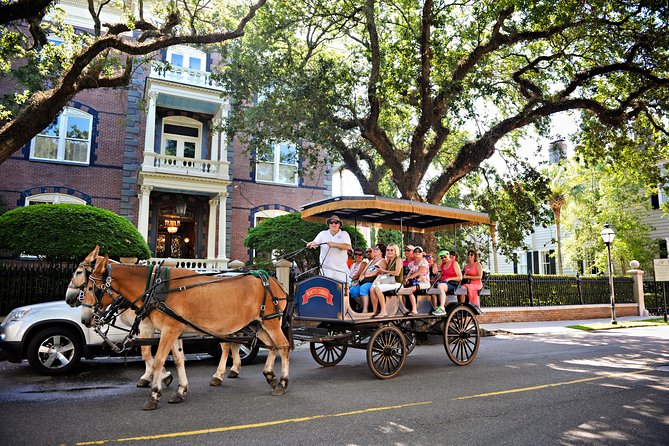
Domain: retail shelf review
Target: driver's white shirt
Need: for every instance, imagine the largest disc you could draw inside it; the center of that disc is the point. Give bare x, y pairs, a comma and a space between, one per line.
333, 260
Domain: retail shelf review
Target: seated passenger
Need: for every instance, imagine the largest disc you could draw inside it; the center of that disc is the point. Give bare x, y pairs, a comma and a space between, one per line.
473, 272
393, 269
358, 266
360, 292
451, 275
417, 279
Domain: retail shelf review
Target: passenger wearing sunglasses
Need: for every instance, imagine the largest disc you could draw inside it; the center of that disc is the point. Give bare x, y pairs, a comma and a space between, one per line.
334, 245
358, 267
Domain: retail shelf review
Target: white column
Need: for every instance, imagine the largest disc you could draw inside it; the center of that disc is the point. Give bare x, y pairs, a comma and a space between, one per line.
143, 217
211, 229
222, 225
150, 128
215, 141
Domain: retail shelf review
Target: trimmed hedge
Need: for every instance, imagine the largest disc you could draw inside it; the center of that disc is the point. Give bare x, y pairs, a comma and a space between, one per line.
68, 232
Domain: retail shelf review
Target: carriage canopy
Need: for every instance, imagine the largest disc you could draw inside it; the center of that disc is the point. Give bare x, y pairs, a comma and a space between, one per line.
392, 213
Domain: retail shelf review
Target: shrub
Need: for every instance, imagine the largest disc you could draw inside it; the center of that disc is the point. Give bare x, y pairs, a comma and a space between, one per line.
287, 233
68, 232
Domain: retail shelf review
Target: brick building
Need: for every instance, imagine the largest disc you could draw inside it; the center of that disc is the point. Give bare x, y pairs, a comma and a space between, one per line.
150, 152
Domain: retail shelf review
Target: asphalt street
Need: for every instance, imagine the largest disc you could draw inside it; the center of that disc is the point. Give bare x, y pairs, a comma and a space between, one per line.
573, 387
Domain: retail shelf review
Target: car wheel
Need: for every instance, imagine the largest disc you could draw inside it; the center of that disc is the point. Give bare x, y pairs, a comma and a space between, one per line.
55, 350
248, 352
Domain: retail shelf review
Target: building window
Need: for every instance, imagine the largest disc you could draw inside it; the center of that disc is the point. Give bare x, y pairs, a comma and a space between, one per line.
278, 165
258, 218
186, 57
522, 263
67, 139
182, 137
53, 198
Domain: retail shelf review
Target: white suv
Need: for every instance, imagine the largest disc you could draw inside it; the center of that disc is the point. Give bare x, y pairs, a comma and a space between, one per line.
53, 340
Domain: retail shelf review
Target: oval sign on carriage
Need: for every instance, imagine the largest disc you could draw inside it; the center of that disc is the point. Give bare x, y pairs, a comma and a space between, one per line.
320, 298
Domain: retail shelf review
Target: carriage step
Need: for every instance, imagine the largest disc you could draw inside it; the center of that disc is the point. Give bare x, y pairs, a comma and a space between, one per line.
315, 334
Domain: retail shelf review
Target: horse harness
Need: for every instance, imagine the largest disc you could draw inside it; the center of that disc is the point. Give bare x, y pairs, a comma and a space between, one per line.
156, 292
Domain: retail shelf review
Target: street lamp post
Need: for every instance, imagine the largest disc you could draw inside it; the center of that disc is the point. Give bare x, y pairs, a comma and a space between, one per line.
608, 235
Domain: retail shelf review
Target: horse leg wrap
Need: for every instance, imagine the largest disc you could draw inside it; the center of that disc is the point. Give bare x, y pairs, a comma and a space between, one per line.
280, 389
178, 396
271, 378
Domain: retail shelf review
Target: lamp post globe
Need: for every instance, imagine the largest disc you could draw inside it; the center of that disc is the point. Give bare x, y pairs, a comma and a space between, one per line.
607, 236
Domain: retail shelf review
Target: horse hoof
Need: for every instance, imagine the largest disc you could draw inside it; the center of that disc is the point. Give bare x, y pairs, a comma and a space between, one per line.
176, 398
150, 404
143, 383
215, 382
168, 380
233, 374
279, 391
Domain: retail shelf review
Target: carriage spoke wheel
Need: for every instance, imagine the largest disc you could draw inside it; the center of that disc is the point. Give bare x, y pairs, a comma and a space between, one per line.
330, 353
386, 352
409, 336
461, 335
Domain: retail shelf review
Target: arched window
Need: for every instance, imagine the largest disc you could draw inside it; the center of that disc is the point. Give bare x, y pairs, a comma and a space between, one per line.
67, 139
182, 137
53, 198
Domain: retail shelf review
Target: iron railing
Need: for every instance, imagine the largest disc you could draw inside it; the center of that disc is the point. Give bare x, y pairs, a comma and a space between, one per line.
30, 283
23, 283
528, 290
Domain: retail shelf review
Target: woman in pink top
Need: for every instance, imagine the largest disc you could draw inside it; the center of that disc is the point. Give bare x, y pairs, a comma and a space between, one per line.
417, 278
474, 273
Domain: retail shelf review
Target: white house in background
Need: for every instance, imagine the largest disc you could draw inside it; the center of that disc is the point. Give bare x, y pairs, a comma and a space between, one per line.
541, 257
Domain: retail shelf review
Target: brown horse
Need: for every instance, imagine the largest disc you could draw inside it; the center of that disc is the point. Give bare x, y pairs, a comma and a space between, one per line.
146, 331
210, 305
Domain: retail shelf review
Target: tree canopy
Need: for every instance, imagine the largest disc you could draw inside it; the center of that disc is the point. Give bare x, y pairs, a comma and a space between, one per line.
600, 194
68, 232
425, 91
47, 75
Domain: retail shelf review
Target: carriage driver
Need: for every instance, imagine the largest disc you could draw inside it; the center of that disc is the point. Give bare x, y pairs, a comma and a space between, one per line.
334, 243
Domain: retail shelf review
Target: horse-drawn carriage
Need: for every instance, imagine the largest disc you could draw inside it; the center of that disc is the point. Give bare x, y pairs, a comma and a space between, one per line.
177, 300
389, 340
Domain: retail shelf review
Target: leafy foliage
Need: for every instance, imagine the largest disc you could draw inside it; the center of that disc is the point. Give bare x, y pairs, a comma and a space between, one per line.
515, 204
47, 61
287, 234
602, 194
68, 232
402, 89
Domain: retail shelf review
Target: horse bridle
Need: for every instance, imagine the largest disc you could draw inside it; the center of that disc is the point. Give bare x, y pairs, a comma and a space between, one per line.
88, 269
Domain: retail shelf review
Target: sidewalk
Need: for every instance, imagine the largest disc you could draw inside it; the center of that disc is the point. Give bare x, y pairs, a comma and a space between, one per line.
549, 326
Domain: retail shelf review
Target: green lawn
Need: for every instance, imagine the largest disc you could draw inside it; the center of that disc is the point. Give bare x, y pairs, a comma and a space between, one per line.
620, 324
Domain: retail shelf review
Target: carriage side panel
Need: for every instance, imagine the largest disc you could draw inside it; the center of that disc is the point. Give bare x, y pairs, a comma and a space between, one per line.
320, 298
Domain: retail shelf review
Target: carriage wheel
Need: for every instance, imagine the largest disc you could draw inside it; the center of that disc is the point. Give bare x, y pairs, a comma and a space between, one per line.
461, 335
409, 336
330, 353
386, 352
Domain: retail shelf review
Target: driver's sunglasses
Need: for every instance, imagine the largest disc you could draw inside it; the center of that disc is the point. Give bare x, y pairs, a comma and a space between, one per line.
334, 222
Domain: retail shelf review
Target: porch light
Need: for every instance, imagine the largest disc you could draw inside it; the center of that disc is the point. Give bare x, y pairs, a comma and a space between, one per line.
172, 226
181, 208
